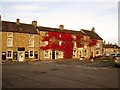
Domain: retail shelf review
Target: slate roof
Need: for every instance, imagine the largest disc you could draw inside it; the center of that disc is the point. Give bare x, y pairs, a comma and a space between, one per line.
93, 35
41, 28
21, 28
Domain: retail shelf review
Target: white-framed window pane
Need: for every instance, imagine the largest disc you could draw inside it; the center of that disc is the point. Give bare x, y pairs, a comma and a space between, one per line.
46, 33
9, 54
31, 43
31, 54
9, 34
31, 35
46, 54
75, 44
60, 54
9, 42
46, 42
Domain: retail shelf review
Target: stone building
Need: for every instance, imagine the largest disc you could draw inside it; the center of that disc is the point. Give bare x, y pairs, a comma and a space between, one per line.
20, 42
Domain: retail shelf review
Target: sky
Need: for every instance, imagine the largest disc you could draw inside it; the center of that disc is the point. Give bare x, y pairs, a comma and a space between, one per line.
73, 14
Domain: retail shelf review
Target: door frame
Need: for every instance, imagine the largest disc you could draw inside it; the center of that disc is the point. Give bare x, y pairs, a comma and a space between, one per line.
54, 54
19, 56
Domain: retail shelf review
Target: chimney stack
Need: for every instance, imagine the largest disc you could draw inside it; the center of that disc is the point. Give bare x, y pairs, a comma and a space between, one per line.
61, 27
34, 23
93, 29
18, 21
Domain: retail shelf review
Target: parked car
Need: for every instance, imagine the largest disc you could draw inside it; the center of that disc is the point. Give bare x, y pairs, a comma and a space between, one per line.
113, 56
117, 60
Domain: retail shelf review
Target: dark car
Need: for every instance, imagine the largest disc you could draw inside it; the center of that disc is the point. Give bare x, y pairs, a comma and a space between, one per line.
117, 60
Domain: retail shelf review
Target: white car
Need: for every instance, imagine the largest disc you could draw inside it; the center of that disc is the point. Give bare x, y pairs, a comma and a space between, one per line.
117, 60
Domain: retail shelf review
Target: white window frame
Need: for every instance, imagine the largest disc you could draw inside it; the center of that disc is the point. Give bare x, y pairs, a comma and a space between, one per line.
9, 34
46, 42
60, 54
60, 43
75, 45
74, 53
11, 54
9, 42
31, 43
30, 55
48, 54
31, 35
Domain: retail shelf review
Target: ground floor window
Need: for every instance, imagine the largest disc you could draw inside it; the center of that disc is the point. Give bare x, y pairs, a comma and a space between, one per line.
36, 54
26, 55
46, 54
85, 52
31, 54
60, 54
74, 53
15, 55
9, 54
3, 55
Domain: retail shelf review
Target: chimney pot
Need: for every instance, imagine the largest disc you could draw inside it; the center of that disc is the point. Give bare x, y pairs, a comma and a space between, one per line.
61, 27
18, 21
34, 23
93, 29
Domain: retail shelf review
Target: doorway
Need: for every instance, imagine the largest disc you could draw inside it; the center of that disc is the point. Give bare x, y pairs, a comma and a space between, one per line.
21, 56
53, 54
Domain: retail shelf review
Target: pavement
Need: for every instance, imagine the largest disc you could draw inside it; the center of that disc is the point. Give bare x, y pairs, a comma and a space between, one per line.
60, 74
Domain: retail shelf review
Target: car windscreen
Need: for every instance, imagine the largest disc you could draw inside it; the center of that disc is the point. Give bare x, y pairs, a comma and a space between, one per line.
118, 55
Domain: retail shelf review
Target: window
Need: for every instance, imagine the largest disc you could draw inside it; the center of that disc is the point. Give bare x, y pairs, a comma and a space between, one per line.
85, 52
3, 55
36, 54
74, 53
97, 52
9, 54
46, 33
31, 43
98, 45
31, 54
31, 35
74, 37
26, 55
46, 54
60, 54
75, 45
9, 42
60, 43
10, 34
15, 55
46, 42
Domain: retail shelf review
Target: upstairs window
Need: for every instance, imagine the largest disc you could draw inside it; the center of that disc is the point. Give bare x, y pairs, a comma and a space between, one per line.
9, 42
31, 43
46, 54
9, 34
31, 35
46, 33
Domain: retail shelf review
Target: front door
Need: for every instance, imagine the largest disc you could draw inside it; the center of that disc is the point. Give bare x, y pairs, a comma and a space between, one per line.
53, 54
21, 56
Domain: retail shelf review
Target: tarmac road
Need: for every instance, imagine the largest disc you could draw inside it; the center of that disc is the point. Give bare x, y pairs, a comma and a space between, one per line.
60, 74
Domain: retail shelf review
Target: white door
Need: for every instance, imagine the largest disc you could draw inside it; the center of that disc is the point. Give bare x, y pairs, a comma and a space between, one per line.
21, 56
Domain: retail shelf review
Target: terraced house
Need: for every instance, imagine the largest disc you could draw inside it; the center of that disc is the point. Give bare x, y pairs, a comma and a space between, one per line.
29, 42
60, 43
20, 42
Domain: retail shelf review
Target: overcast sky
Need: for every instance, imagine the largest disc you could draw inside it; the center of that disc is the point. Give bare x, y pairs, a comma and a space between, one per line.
73, 14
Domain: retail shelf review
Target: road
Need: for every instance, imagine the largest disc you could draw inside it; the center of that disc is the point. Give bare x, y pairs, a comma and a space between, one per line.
60, 74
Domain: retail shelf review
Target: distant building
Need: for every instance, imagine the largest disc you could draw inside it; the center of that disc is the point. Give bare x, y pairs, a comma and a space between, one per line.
111, 48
